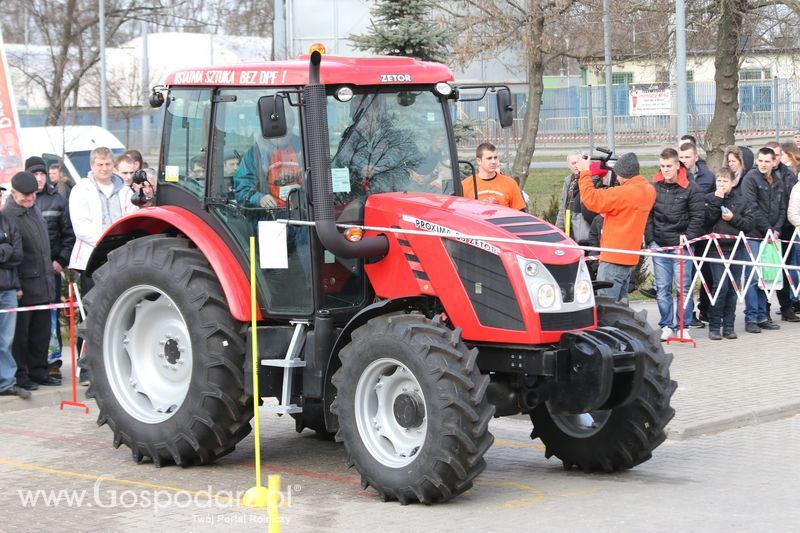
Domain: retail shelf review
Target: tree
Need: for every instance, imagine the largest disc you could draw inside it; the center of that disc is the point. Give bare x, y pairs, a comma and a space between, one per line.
495, 26
405, 28
722, 129
69, 32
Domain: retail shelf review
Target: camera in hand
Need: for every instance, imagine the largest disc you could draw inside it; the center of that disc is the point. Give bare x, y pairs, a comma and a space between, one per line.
139, 177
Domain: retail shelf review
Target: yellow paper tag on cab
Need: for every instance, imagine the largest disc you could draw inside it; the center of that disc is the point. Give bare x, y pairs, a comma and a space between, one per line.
171, 173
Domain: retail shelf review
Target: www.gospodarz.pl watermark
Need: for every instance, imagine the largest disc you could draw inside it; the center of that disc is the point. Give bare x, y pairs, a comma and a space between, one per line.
108, 497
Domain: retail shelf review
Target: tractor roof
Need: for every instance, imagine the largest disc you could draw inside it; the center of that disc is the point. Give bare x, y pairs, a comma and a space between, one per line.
334, 71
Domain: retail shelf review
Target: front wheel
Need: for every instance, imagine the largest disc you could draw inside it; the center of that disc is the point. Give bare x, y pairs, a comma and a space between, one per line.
412, 408
164, 354
625, 436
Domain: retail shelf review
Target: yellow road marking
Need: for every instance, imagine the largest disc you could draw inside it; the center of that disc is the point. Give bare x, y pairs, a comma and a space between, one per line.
518, 444
121, 481
536, 495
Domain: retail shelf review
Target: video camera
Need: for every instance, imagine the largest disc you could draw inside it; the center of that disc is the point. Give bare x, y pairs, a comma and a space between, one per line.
607, 162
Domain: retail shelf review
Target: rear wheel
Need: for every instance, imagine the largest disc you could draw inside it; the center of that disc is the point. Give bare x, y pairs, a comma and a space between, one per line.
625, 436
412, 408
164, 354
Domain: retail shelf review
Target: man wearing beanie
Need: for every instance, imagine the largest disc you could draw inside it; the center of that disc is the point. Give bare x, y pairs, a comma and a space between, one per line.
625, 209
679, 210
55, 211
32, 332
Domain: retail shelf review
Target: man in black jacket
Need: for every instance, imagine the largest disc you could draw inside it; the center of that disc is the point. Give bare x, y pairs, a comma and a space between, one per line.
679, 210
32, 332
10, 257
55, 211
766, 196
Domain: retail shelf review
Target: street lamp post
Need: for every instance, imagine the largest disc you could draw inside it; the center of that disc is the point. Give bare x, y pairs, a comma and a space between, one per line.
103, 89
609, 77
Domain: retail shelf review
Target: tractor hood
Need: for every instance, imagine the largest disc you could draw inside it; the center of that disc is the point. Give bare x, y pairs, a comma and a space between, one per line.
456, 215
523, 293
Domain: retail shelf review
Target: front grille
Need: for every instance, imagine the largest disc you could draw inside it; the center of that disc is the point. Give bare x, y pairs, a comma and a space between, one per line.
486, 283
567, 321
565, 277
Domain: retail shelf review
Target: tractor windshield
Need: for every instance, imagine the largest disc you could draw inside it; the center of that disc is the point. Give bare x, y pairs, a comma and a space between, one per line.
385, 141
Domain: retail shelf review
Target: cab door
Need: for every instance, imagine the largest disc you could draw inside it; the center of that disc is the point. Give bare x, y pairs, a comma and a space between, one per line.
256, 179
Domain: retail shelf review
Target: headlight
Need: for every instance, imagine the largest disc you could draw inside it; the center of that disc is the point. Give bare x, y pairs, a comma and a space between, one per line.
532, 268
546, 295
583, 291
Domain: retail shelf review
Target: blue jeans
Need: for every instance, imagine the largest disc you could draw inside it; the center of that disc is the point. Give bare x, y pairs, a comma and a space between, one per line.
755, 299
667, 272
723, 313
8, 321
619, 275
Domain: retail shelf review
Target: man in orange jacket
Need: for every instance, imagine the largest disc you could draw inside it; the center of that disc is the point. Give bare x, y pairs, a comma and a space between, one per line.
625, 209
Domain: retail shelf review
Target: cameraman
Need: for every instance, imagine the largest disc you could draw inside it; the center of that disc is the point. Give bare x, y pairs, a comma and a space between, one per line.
625, 209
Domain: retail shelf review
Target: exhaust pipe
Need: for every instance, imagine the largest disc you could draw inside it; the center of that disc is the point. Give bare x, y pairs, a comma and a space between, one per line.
316, 120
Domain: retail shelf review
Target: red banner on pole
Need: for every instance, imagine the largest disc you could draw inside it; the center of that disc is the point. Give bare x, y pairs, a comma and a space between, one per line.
10, 152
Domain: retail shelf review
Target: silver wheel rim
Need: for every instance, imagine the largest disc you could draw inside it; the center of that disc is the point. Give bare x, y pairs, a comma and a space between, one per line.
583, 425
380, 387
147, 353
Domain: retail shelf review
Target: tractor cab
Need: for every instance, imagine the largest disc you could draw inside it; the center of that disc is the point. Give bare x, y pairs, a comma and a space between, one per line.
240, 154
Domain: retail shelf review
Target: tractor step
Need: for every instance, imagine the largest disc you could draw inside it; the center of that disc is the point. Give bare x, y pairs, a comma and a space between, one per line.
289, 363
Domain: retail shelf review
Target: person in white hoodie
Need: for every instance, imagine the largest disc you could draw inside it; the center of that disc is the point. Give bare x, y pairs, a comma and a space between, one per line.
94, 204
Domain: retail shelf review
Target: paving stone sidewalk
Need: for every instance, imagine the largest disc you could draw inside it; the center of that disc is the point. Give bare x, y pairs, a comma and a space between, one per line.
732, 383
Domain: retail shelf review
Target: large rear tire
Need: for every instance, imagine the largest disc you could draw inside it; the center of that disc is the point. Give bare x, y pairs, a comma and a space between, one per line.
625, 436
412, 408
164, 354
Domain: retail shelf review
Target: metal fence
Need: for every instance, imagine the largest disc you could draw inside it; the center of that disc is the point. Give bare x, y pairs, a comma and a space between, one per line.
573, 114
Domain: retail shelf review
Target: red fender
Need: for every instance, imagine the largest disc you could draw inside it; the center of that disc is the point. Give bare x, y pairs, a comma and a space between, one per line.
154, 220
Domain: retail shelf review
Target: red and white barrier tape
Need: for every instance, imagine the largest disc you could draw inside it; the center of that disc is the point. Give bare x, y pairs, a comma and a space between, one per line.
36, 308
687, 254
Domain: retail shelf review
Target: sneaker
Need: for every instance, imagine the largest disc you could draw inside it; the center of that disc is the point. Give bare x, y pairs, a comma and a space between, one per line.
729, 334
752, 327
15, 390
697, 324
703, 317
768, 324
714, 335
789, 315
685, 335
650, 293
666, 333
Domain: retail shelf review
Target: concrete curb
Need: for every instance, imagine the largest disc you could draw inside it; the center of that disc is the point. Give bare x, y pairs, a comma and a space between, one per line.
44, 397
737, 420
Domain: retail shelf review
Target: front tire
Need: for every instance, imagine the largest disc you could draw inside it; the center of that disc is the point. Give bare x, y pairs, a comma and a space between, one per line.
412, 408
625, 436
165, 356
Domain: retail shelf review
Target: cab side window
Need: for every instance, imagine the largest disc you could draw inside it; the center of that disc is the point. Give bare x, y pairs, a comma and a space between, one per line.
188, 116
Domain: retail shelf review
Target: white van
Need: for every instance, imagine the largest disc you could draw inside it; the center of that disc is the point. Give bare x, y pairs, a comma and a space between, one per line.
70, 144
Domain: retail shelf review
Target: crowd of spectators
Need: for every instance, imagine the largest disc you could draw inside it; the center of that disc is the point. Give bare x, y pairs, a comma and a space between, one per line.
754, 194
47, 225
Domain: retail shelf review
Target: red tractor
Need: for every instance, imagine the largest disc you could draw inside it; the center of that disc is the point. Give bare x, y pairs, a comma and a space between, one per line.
403, 344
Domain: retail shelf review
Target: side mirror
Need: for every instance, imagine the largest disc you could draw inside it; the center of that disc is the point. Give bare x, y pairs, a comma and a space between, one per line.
272, 117
505, 111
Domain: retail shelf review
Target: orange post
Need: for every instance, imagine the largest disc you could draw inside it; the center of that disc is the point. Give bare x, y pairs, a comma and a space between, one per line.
680, 337
71, 314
